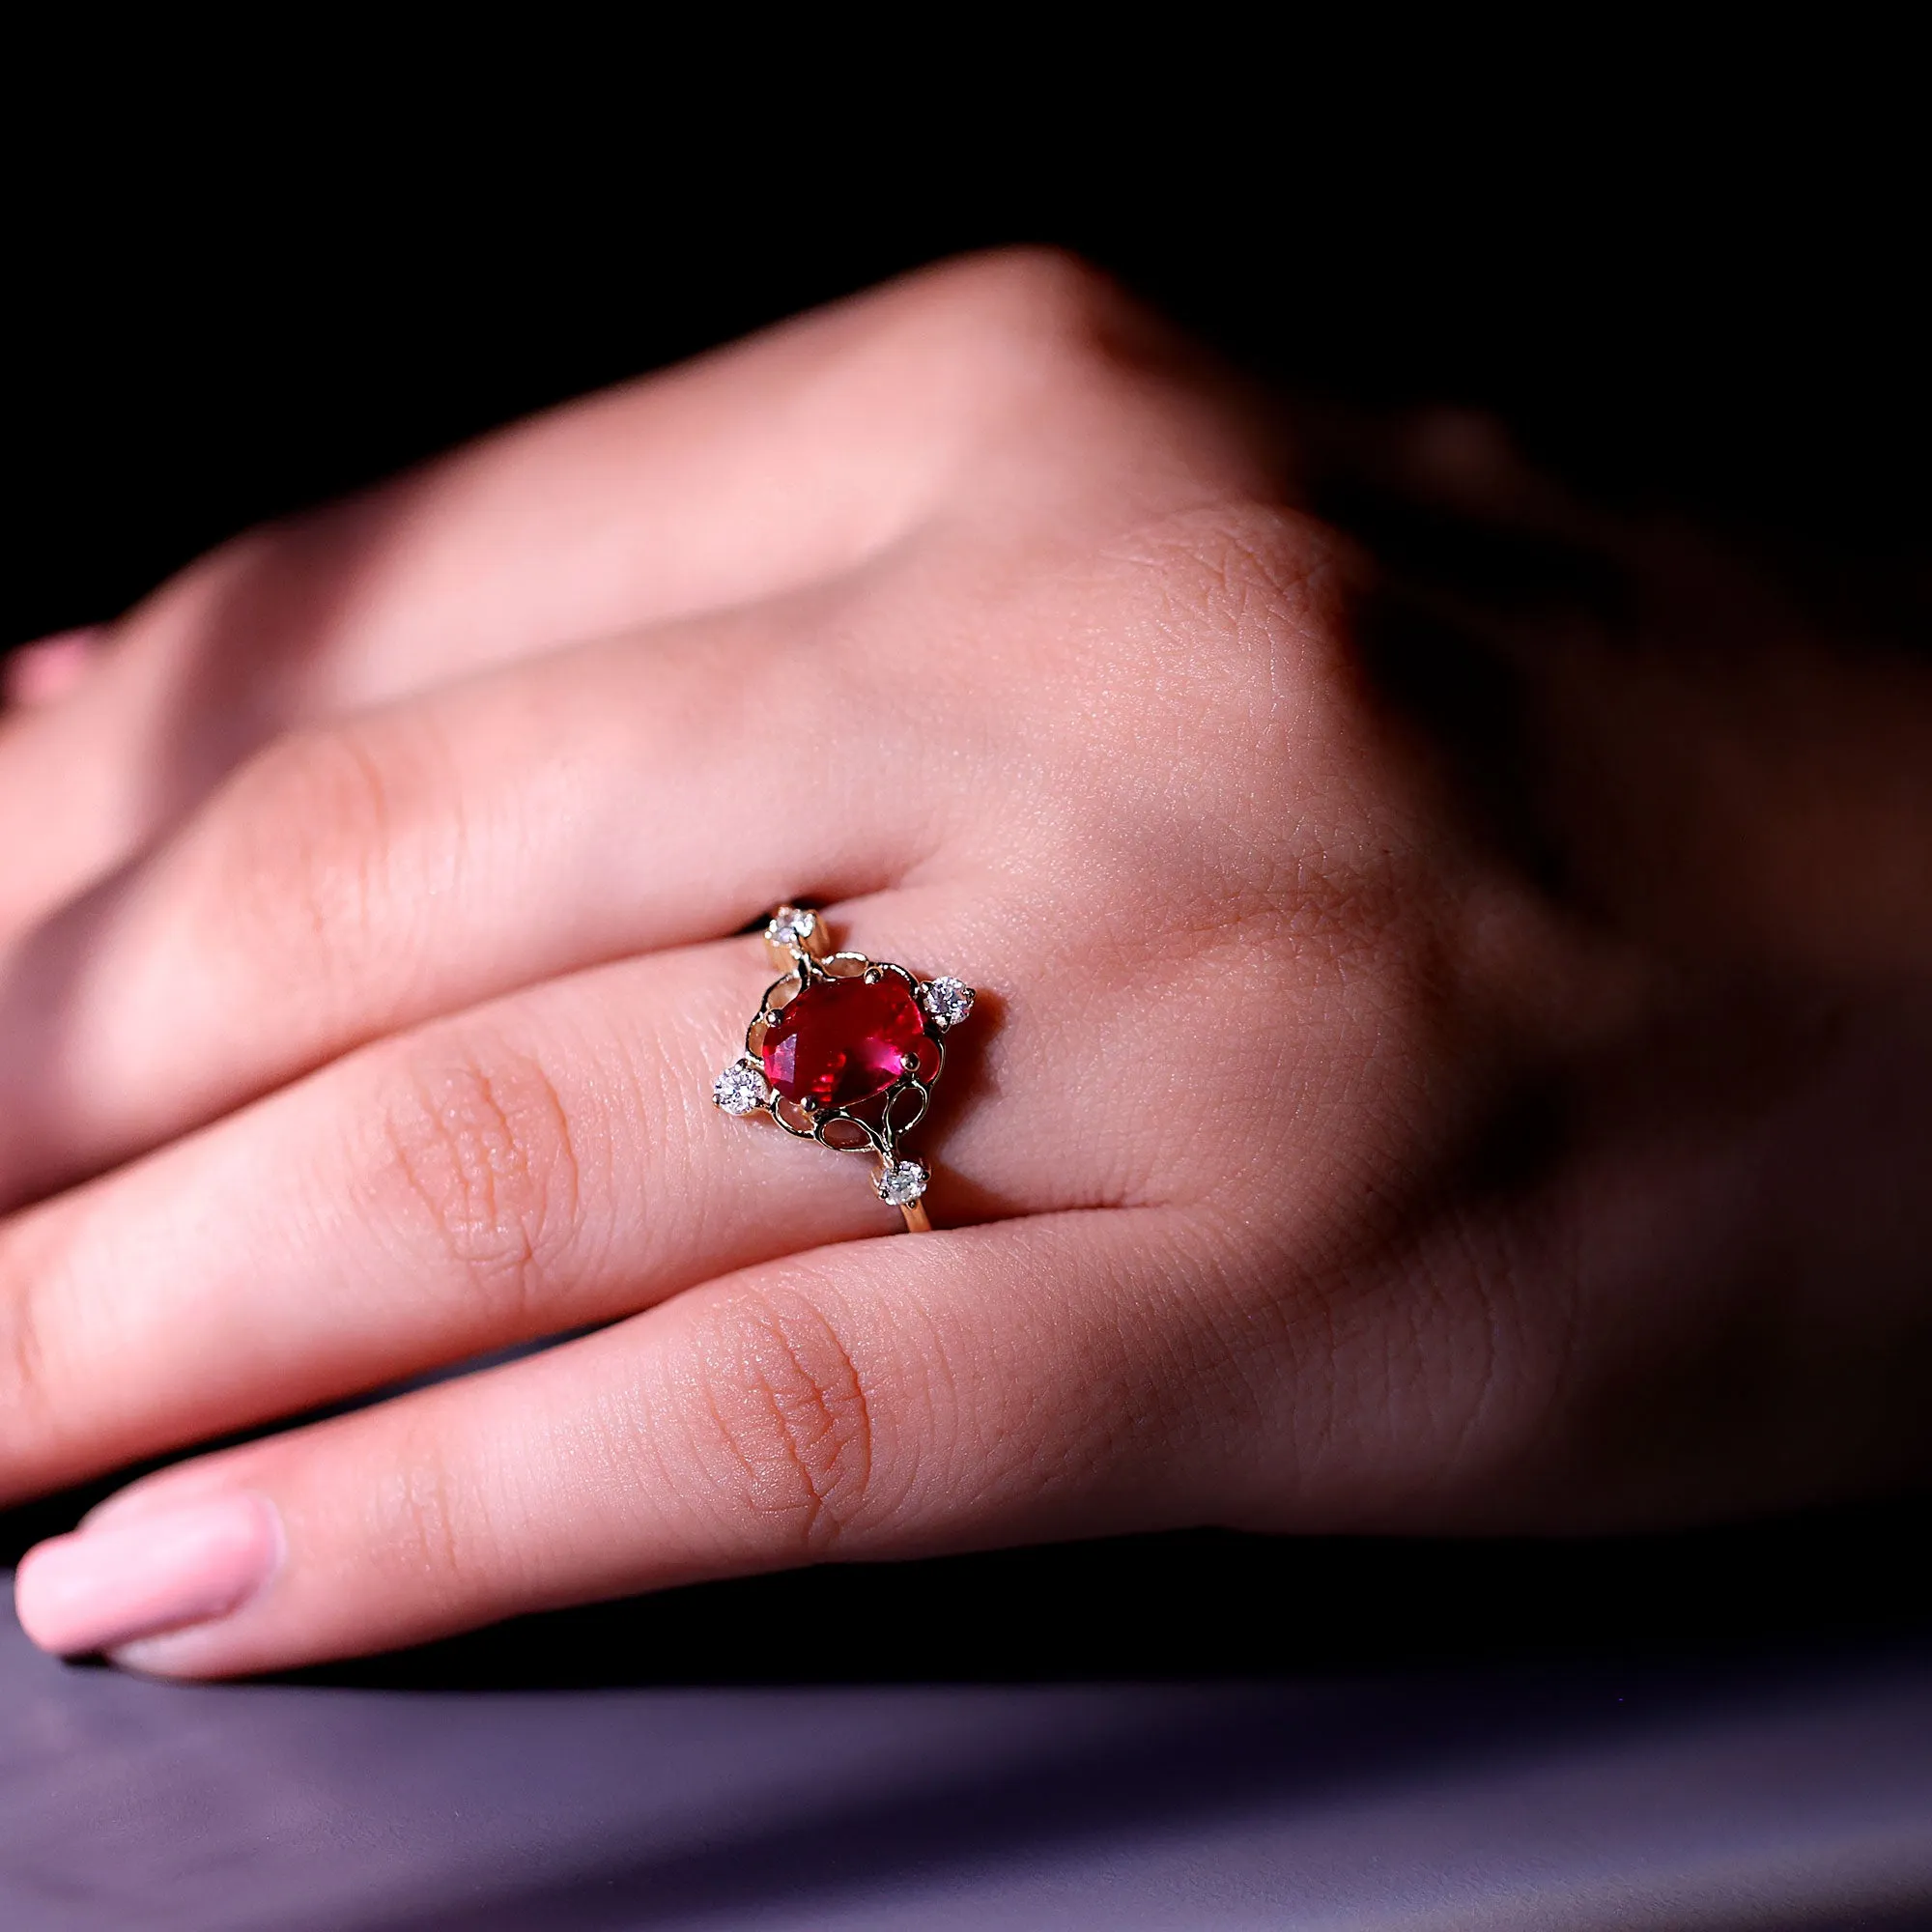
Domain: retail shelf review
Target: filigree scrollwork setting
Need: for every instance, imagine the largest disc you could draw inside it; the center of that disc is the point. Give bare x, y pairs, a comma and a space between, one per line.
851, 1068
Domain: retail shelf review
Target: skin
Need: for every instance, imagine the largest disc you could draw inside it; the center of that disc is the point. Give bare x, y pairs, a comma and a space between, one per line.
1382, 1113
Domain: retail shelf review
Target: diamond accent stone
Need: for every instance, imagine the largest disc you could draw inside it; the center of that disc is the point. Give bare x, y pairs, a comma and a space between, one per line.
791, 925
901, 1183
740, 1088
948, 1000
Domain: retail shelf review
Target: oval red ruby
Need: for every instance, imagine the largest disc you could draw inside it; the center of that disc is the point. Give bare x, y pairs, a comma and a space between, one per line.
843, 1040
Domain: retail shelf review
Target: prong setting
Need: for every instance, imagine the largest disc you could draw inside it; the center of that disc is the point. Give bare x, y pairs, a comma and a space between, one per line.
845, 1050
947, 1001
901, 1182
742, 1087
792, 926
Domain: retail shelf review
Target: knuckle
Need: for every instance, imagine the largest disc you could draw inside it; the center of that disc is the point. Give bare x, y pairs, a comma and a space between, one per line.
300, 861
1216, 632
27, 1407
1239, 573
1002, 322
1029, 292
784, 1420
57, 1331
423, 1525
475, 1161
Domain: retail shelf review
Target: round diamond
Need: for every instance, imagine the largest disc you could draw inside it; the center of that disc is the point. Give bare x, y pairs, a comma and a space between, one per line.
791, 925
948, 1000
901, 1183
740, 1088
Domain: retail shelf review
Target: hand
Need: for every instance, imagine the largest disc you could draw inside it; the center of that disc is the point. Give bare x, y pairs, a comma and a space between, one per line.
1340, 1145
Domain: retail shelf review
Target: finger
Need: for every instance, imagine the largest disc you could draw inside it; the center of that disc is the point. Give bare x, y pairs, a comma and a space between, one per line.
46, 670
547, 1162
889, 1398
713, 485
351, 882
786, 460
360, 877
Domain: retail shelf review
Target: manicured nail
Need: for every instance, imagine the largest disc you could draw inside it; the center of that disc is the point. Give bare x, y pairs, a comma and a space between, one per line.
105, 1586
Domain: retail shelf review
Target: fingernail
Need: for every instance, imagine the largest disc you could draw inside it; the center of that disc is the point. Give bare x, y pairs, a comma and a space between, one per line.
109, 1586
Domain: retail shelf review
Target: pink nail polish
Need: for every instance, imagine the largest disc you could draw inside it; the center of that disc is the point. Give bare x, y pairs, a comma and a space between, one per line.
103, 1587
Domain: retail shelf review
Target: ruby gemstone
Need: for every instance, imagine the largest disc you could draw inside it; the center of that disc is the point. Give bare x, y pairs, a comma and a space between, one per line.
841, 1042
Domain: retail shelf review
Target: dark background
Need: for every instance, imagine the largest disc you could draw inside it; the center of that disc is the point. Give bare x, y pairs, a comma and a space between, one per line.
1682, 276
242, 279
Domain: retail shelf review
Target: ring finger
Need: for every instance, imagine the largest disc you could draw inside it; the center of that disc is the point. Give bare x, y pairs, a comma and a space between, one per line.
546, 1162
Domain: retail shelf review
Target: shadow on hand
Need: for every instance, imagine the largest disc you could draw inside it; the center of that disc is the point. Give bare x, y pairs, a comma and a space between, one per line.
1212, 1603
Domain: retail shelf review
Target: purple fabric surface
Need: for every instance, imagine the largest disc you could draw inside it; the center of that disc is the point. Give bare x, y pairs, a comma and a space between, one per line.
1782, 1793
